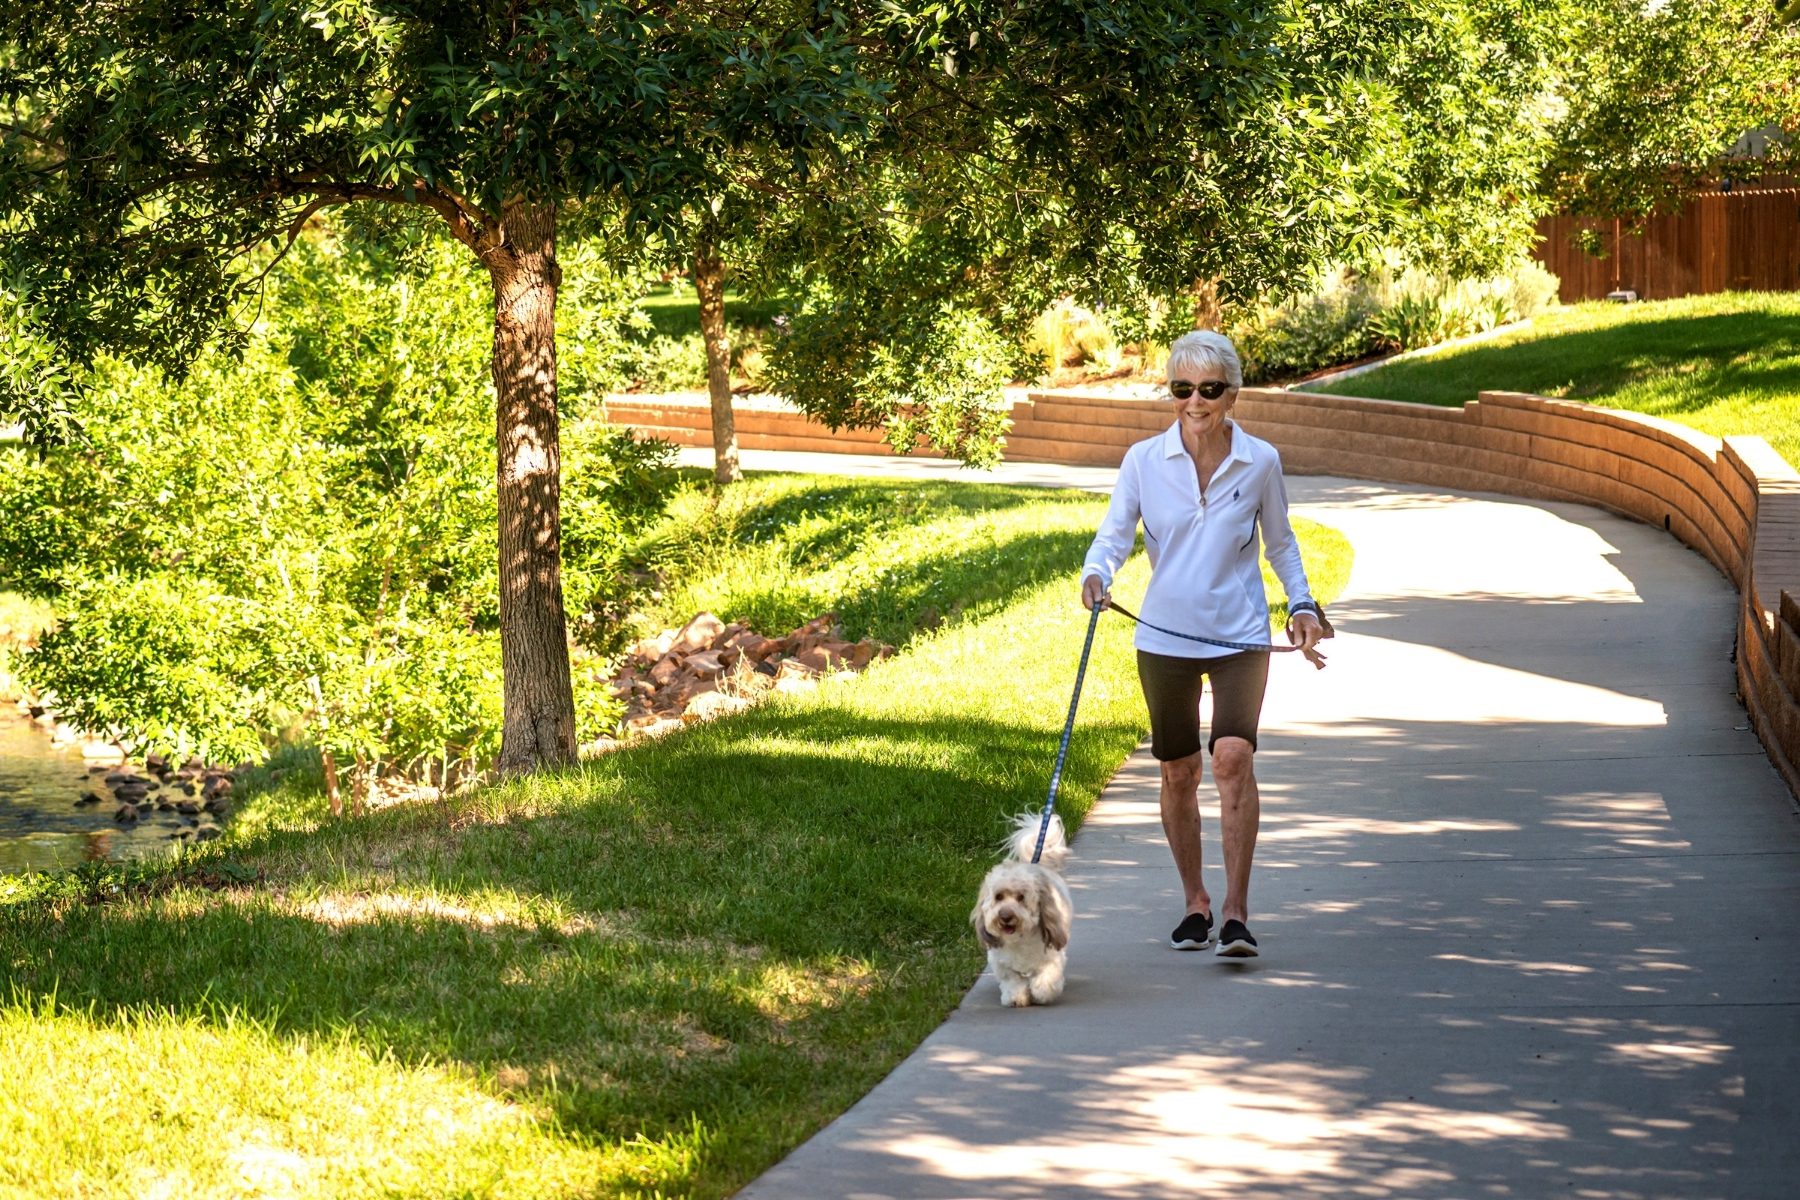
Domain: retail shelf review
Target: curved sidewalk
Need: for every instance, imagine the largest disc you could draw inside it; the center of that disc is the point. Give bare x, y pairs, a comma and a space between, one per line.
1526, 888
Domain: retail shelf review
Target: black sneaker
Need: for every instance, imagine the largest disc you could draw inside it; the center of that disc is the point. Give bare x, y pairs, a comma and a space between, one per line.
1194, 933
1235, 941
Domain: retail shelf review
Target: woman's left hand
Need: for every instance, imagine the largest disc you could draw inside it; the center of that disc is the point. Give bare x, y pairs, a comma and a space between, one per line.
1305, 631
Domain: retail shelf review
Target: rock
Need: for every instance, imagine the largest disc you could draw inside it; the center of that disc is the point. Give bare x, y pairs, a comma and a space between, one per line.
698, 634
127, 814
216, 785
156, 762
712, 705
599, 746
206, 832
791, 668
757, 648
794, 685
666, 725
816, 658
665, 670
188, 788
165, 805
117, 777
102, 752
89, 798
706, 664
650, 649
190, 807
862, 654
767, 668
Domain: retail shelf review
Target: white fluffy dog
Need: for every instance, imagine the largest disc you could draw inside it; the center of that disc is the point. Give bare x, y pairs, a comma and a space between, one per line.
1023, 914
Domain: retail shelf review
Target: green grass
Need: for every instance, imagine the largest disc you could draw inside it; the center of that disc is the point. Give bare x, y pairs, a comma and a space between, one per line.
652, 975
1725, 364
676, 313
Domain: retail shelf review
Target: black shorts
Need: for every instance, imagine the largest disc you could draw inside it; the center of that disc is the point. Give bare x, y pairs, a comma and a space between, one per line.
1172, 690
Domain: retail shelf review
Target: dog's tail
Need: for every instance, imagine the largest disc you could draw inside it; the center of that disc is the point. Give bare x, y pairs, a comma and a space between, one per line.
1025, 835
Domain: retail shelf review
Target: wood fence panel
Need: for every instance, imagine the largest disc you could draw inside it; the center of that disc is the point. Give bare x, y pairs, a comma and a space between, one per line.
1721, 241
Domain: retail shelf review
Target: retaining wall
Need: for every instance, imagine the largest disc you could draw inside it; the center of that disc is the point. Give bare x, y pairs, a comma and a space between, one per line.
1735, 500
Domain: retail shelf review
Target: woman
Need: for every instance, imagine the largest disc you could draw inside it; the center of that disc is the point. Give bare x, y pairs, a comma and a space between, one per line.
1201, 489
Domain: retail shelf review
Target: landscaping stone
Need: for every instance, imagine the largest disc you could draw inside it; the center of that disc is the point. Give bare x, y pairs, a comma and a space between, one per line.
126, 814
708, 669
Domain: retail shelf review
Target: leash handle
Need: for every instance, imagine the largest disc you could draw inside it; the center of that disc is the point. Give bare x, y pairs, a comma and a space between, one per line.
1062, 751
1312, 656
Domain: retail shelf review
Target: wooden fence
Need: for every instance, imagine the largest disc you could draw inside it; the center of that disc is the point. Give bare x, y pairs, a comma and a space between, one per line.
1742, 240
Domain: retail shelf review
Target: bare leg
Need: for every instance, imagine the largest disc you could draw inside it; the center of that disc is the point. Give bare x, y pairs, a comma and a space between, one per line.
1240, 812
1181, 825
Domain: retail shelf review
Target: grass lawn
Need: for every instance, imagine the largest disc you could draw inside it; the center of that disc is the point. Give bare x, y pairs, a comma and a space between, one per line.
1724, 364
676, 313
653, 975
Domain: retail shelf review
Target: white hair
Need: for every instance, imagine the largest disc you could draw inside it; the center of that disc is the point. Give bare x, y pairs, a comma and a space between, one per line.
1204, 348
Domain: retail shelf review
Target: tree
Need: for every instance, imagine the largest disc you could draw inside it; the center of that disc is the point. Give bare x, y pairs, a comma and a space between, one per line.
151, 153
1119, 154
1662, 94
946, 166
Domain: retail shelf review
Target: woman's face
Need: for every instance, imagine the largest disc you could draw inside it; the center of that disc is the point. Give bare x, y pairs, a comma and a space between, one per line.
1199, 415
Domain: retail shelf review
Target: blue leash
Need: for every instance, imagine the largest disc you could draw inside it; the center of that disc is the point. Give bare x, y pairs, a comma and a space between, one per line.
1062, 751
1194, 637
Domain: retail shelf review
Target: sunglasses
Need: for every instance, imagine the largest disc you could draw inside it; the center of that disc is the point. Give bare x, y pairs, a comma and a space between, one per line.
1212, 389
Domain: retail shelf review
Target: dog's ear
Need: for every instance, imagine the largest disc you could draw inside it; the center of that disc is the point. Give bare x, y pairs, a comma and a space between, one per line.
1053, 916
988, 940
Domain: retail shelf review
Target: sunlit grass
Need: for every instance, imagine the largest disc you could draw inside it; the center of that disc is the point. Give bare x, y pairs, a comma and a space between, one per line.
656, 974
1725, 364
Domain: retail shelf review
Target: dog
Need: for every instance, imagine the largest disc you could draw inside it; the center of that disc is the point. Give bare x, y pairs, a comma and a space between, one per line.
1022, 915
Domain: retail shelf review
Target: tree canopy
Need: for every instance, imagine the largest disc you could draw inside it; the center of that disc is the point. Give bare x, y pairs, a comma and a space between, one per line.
937, 169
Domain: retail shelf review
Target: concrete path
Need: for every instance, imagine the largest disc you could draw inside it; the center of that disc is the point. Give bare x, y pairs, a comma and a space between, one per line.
1526, 890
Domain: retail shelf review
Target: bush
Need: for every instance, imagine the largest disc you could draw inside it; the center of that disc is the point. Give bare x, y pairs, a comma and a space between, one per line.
301, 541
665, 364
1353, 315
932, 376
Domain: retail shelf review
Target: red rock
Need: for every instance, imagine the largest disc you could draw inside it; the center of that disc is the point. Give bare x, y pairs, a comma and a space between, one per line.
706, 664
862, 654
816, 659
698, 634
665, 670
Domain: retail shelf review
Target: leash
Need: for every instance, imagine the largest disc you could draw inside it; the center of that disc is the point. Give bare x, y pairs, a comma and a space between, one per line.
1062, 751
1313, 656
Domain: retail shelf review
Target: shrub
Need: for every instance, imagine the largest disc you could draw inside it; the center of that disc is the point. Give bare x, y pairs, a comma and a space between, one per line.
933, 375
1069, 335
1352, 315
665, 364
301, 540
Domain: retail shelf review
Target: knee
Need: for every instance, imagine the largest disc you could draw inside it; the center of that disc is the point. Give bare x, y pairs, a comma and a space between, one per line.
1184, 774
1234, 761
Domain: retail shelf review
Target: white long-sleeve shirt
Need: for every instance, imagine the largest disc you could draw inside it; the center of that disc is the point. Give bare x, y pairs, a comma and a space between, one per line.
1204, 577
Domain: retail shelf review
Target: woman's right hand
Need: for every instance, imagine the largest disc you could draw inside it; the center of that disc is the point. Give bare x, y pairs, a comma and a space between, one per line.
1092, 592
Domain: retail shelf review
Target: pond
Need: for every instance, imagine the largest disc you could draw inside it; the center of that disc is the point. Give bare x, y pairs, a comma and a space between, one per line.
46, 825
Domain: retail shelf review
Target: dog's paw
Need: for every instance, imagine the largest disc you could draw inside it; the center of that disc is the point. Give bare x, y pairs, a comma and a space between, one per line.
1019, 998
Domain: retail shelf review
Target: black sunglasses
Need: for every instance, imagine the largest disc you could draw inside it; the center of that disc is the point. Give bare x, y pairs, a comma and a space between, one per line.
1212, 389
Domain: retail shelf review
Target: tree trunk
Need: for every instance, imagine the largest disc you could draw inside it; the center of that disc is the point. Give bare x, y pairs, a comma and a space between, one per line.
709, 282
538, 728
1208, 312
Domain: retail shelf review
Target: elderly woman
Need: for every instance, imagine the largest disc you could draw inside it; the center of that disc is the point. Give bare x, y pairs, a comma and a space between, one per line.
1201, 489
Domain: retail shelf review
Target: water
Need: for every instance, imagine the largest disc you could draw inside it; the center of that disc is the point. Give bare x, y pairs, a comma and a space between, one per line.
42, 828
